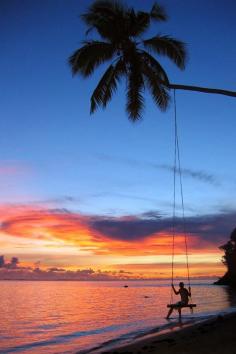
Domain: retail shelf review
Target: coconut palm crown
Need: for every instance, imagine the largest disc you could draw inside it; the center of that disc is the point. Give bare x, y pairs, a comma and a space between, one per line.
120, 29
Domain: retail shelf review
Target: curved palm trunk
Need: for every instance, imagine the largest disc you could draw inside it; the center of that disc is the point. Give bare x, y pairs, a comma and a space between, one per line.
202, 89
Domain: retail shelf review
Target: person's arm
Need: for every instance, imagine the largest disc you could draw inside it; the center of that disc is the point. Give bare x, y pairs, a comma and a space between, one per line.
176, 292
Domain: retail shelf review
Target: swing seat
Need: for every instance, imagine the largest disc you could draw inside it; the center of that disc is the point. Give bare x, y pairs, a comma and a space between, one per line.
181, 306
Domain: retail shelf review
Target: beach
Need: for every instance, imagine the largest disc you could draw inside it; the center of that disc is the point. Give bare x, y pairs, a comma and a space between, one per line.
216, 336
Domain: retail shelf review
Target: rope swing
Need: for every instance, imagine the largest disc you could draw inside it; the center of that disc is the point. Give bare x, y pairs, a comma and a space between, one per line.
177, 173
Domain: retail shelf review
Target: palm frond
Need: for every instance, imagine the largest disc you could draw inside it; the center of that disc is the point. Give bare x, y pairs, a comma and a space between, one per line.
158, 91
135, 86
156, 67
101, 9
168, 46
158, 13
107, 86
107, 17
138, 23
87, 58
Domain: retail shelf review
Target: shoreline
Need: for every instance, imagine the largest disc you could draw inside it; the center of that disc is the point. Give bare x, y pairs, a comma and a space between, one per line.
214, 335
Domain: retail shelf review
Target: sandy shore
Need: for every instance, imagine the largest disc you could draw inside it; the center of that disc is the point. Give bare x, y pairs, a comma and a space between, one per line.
215, 336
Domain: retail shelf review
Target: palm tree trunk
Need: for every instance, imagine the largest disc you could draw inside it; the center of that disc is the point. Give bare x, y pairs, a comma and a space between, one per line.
202, 89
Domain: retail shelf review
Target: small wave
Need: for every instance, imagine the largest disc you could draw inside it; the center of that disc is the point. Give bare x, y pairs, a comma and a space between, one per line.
61, 339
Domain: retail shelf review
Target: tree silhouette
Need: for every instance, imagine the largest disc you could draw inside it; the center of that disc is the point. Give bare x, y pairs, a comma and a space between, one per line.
229, 260
120, 29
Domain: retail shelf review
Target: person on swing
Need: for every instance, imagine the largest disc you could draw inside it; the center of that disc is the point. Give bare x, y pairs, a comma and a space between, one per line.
184, 295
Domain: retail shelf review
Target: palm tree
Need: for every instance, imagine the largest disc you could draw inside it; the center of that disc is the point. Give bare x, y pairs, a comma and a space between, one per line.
120, 29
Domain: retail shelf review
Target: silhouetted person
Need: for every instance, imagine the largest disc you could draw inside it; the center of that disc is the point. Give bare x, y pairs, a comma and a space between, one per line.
184, 294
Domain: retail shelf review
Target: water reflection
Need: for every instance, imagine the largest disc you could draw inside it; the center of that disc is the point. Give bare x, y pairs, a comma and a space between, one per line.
61, 317
231, 295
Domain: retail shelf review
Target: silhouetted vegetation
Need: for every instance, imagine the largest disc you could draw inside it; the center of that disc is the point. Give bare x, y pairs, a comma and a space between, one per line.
229, 260
119, 29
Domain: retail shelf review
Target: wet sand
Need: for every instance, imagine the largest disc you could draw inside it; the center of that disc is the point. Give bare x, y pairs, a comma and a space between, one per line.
214, 336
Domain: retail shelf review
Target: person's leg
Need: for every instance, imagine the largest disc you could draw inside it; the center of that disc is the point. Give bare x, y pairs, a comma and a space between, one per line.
179, 311
169, 313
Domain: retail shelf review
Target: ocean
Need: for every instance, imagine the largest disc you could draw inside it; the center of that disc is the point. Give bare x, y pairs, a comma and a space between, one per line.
68, 316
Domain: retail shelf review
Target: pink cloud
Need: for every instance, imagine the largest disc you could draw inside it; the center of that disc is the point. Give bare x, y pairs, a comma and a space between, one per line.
12, 168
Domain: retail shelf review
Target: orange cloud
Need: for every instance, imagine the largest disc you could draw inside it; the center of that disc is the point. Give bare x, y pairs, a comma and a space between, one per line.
163, 270
60, 228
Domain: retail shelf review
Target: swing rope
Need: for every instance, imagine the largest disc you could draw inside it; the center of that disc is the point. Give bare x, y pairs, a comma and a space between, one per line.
177, 169
174, 199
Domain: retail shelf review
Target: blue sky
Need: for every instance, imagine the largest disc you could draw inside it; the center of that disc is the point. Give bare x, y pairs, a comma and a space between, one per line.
104, 164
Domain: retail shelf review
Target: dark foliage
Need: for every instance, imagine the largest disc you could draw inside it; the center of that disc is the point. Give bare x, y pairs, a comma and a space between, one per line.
120, 29
229, 260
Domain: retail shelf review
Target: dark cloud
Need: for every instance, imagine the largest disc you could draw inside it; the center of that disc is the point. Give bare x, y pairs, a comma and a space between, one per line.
60, 211
195, 174
59, 200
27, 273
214, 227
2, 261
125, 230
13, 264
55, 269
152, 214
199, 175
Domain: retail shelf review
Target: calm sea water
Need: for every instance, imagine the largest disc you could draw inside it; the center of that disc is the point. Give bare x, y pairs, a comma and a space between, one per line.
70, 317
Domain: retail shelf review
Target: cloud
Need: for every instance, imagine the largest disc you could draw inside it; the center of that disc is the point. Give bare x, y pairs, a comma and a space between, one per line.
149, 233
195, 174
128, 272
133, 229
123, 196
214, 228
199, 175
27, 273
62, 200
55, 269
13, 264
13, 168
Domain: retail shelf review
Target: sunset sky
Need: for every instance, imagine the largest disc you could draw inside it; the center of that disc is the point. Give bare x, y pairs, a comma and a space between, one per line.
81, 192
